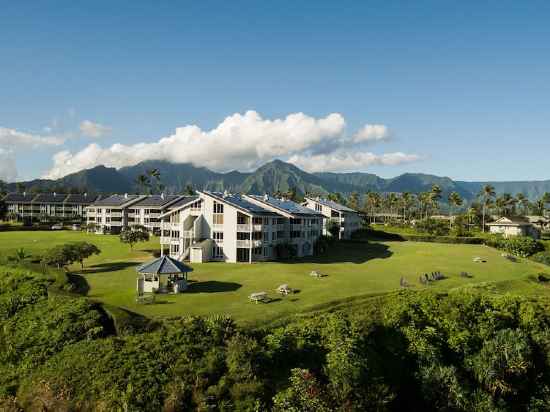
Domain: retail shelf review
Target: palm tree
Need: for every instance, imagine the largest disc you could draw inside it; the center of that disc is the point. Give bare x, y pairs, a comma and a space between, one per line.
154, 174
545, 200
143, 183
423, 199
523, 202
373, 203
406, 202
454, 200
487, 193
435, 196
354, 201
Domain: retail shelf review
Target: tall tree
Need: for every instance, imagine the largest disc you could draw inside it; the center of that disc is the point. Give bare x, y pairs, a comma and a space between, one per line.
435, 196
143, 183
354, 201
523, 203
487, 194
454, 201
154, 179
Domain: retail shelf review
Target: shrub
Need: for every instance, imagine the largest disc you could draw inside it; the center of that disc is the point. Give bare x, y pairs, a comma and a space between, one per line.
542, 257
433, 227
523, 246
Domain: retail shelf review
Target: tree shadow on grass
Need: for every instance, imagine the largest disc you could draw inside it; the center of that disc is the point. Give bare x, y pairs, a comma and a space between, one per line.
212, 286
79, 283
349, 252
107, 267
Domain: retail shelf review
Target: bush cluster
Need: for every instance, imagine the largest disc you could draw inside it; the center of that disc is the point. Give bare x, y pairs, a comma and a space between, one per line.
542, 257
412, 351
523, 246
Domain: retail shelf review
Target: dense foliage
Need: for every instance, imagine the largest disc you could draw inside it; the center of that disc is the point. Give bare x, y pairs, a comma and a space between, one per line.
518, 245
414, 350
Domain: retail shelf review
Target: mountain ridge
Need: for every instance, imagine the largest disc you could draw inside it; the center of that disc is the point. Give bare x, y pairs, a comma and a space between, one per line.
271, 177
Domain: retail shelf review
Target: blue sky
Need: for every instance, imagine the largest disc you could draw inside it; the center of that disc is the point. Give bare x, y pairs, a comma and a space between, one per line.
459, 89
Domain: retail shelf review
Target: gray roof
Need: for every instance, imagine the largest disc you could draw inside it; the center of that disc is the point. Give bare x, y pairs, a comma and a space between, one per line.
81, 199
164, 265
115, 200
156, 200
285, 205
49, 198
239, 202
183, 201
332, 205
19, 198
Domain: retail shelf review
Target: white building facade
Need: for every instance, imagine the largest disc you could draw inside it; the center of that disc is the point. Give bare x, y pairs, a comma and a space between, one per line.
233, 228
347, 219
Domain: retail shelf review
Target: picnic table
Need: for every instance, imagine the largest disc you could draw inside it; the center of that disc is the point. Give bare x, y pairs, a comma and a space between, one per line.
316, 274
258, 297
284, 289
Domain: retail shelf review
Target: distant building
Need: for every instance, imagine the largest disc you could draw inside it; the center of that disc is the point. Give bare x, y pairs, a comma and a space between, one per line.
51, 207
113, 213
513, 226
540, 222
347, 219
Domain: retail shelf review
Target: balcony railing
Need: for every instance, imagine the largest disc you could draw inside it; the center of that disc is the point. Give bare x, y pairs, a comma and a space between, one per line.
248, 243
244, 228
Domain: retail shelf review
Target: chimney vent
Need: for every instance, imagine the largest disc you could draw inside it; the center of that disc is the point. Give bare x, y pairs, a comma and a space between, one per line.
125, 195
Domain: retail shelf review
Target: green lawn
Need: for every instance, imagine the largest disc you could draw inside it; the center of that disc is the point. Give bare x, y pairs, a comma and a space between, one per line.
223, 288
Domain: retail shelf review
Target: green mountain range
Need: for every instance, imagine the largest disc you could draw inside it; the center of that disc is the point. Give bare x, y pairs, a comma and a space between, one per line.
271, 177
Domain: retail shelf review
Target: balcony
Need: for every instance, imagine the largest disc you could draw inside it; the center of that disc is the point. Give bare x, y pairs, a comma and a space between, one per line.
244, 228
248, 243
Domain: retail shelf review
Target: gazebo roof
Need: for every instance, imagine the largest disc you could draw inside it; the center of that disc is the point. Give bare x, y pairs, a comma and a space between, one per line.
164, 265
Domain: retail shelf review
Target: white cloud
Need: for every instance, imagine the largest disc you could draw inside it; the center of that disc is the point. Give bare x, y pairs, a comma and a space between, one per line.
8, 169
11, 138
95, 130
240, 141
372, 133
346, 161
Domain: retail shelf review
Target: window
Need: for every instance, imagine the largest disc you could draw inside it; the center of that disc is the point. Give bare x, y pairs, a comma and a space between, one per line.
218, 219
243, 235
266, 251
280, 221
257, 251
318, 207
257, 220
295, 234
217, 236
242, 219
266, 221
217, 251
273, 235
257, 236
296, 221
218, 207
265, 237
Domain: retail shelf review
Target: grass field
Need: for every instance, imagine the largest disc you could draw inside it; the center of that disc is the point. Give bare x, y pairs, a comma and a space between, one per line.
352, 269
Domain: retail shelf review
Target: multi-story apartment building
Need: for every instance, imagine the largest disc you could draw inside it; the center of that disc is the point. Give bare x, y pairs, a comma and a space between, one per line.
235, 228
50, 207
113, 213
347, 219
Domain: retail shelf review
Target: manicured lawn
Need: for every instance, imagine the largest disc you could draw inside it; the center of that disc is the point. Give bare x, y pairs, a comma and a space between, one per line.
352, 269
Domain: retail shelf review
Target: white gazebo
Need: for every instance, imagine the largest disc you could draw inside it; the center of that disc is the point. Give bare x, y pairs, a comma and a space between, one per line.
162, 275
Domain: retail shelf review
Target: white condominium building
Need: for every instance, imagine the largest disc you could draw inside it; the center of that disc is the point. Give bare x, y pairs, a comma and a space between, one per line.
234, 228
112, 214
347, 219
48, 206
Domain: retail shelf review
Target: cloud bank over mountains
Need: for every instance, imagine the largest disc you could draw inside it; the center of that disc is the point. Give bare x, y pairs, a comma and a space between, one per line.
243, 142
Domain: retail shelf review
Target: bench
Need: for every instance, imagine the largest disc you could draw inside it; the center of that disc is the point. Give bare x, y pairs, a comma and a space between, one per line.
258, 297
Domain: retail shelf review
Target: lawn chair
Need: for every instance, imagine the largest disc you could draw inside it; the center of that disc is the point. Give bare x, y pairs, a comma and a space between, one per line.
315, 274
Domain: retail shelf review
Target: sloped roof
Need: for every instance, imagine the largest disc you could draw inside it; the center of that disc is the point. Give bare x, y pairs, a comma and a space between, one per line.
164, 265
283, 205
81, 199
510, 221
156, 200
116, 200
19, 197
240, 202
332, 205
49, 198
